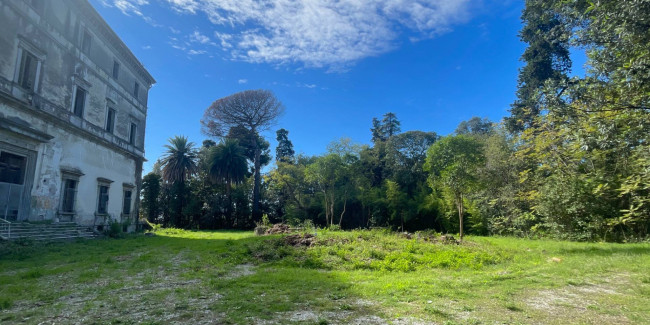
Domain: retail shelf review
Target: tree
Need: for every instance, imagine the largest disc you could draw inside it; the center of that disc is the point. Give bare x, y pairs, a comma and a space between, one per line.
179, 161
386, 128
150, 194
390, 125
255, 110
178, 166
452, 163
547, 59
226, 162
475, 126
284, 151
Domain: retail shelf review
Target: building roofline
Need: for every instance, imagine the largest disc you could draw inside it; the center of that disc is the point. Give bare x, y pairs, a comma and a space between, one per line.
115, 40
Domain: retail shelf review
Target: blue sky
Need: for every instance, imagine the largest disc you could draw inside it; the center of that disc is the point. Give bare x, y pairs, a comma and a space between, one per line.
335, 64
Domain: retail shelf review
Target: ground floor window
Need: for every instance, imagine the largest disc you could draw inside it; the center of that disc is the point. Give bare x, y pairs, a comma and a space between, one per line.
126, 205
69, 195
12, 168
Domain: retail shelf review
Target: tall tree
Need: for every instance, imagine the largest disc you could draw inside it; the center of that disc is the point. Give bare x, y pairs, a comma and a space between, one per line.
178, 166
284, 151
227, 163
150, 194
390, 125
179, 160
453, 162
256, 110
547, 59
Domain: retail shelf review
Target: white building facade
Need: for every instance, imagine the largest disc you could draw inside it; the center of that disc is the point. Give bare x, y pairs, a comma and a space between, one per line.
73, 106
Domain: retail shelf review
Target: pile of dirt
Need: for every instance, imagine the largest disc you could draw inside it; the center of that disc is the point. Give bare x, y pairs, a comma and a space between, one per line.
298, 240
434, 238
278, 228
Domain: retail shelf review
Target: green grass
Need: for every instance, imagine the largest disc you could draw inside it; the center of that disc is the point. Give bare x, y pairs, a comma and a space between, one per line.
374, 277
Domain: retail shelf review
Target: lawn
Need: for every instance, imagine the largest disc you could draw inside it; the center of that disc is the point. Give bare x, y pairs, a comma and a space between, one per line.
357, 277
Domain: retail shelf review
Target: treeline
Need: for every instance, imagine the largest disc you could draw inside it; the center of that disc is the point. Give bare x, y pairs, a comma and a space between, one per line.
572, 161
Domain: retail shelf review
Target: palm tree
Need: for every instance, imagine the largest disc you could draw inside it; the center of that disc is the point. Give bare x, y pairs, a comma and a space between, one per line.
178, 165
227, 163
179, 161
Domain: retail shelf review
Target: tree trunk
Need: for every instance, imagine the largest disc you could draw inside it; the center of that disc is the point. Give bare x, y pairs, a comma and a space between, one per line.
229, 195
257, 214
460, 215
345, 203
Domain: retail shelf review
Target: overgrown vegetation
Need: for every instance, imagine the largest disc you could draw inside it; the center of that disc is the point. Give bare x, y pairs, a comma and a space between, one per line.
571, 162
363, 277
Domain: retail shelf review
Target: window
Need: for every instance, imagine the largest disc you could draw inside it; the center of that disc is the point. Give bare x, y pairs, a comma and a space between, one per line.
28, 71
116, 69
136, 89
102, 202
126, 205
79, 102
86, 39
12, 168
37, 5
69, 195
132, 133
110, 120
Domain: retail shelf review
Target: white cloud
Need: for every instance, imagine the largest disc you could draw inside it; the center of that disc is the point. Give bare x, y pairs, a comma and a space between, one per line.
196, 52
197, 37
242, 81
146, 47
316, 33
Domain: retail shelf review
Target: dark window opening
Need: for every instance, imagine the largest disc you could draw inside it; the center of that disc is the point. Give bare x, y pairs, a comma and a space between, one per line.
69, 194
110, 120
12, 168
132, 133
28, 67
102, 202
116, 70
136, 89
85, 42
79, 102
126, 207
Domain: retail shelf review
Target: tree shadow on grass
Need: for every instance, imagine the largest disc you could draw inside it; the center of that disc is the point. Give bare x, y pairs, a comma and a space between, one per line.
188, 277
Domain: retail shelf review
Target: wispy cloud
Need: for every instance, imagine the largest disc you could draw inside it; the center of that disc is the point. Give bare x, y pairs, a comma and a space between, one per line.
129, 7
242, 81
317, 33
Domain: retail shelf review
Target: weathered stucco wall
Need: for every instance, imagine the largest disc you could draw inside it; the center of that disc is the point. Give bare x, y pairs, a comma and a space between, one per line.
53, 34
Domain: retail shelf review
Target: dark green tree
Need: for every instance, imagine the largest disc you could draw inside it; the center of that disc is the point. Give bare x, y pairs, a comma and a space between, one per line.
546, 59
178, 166
284, 151
227, 163
150, 204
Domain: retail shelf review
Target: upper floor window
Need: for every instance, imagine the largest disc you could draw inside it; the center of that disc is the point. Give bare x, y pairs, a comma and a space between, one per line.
110, 120
132, 133
116, 69
28, 71
136, 89
86, 40
79, 101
